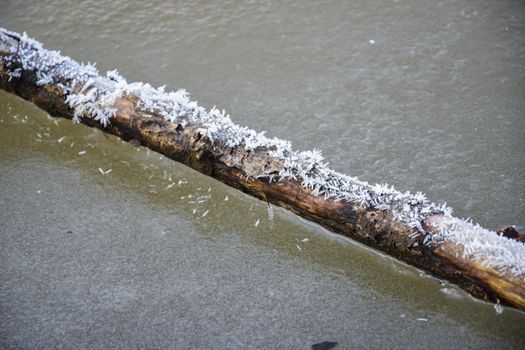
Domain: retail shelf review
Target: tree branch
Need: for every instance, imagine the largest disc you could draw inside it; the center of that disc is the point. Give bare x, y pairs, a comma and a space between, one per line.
406, 226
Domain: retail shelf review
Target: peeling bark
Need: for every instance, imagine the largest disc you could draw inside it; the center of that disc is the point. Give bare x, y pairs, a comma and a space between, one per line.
240, 168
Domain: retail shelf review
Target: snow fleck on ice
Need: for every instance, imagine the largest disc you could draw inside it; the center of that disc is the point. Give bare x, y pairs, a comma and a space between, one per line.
104, 172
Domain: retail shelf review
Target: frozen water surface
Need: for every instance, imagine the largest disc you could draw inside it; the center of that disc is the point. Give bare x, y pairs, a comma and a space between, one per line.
94, 260
146, 256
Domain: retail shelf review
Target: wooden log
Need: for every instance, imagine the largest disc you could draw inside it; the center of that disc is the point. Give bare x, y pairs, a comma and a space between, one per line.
487, 265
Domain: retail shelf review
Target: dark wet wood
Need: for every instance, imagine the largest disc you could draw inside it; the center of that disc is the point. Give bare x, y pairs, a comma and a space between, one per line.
237, 168
512, 233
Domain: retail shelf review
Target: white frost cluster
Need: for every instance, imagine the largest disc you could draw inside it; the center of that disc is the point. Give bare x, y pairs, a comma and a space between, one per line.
96, 96
480, 244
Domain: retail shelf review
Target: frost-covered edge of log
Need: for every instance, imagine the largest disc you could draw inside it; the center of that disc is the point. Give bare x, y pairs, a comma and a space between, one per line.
433, 224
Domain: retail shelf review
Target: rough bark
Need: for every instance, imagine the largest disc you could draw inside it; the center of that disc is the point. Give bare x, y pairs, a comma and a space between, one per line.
240, 167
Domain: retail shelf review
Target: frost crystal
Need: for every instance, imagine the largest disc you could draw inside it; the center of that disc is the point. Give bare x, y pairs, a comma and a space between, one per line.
92, 95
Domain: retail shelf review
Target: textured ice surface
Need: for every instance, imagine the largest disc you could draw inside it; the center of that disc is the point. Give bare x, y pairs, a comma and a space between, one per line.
101, 266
